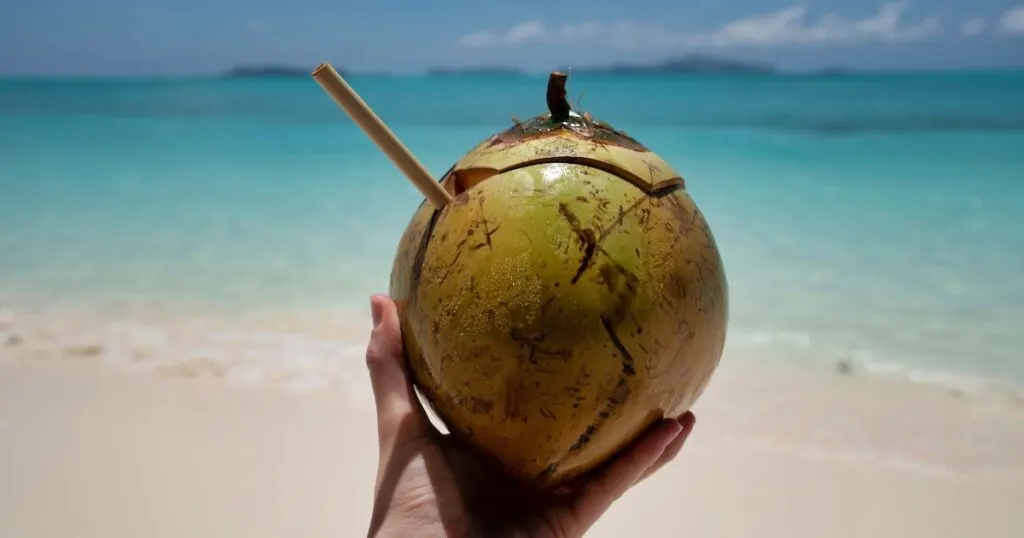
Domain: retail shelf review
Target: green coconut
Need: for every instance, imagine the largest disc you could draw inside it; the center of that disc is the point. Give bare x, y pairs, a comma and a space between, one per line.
569, 295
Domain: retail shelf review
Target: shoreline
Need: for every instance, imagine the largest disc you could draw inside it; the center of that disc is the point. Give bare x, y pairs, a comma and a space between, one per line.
131, 331
834, 411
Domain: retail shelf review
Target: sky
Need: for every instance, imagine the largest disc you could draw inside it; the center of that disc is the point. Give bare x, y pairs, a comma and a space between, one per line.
186, 37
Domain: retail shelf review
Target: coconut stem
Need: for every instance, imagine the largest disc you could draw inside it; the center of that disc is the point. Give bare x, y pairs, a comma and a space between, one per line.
557, 104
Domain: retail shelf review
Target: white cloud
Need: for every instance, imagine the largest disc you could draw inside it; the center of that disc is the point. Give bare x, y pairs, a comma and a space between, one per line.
972, 27
786, 26
482, 38
522, 33
790, 26
1012, 22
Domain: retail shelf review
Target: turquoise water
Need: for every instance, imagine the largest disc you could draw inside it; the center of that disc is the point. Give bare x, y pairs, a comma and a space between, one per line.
873, 218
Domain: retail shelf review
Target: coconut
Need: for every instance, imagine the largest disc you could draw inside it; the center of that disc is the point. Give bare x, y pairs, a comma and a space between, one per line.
569, 295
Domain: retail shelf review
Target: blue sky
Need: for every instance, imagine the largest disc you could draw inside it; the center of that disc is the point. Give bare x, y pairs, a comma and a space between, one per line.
133, 37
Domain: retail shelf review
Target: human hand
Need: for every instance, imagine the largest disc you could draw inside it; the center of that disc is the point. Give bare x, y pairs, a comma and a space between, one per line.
428, 485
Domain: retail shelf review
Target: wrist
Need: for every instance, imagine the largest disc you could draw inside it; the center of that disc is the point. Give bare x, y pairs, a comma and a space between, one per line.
404, 529
422, 531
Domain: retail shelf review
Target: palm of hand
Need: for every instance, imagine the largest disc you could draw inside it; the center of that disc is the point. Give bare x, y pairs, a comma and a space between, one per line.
427, 485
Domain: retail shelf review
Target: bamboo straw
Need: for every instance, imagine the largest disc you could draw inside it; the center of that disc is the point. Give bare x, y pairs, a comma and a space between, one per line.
360, 112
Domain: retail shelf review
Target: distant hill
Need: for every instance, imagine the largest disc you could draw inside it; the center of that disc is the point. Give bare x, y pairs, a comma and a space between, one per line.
695, 64
247, 71
833, 70
478, 70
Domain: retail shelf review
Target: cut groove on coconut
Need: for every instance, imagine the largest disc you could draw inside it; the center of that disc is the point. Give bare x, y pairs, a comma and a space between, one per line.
467, 178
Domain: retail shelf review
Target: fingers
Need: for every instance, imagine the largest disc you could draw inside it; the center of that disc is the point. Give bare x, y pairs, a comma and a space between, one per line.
399, 415
628, 467
687, 421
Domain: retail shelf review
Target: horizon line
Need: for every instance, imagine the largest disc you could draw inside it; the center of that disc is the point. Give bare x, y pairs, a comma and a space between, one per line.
477, 71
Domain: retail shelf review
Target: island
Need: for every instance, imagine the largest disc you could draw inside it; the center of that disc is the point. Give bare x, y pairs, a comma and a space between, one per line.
833, 71
268, 71
486, 70
695, 64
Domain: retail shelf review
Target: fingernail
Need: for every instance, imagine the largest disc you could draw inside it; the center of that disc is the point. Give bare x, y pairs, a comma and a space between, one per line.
376, 311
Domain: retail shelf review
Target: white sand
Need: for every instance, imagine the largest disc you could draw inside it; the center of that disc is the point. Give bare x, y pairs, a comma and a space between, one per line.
88, 451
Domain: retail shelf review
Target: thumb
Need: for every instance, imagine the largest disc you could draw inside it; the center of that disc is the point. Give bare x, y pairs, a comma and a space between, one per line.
399, 415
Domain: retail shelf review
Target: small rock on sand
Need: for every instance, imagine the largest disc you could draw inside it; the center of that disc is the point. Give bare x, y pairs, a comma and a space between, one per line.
85, 350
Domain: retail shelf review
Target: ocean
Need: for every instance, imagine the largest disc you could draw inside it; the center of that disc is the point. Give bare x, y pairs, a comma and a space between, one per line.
875, 221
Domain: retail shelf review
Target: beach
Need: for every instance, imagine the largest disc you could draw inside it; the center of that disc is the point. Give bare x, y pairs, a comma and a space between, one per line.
93, 451
186, 265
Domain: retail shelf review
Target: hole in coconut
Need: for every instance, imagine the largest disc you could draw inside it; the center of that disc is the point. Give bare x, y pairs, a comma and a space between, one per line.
467, 178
